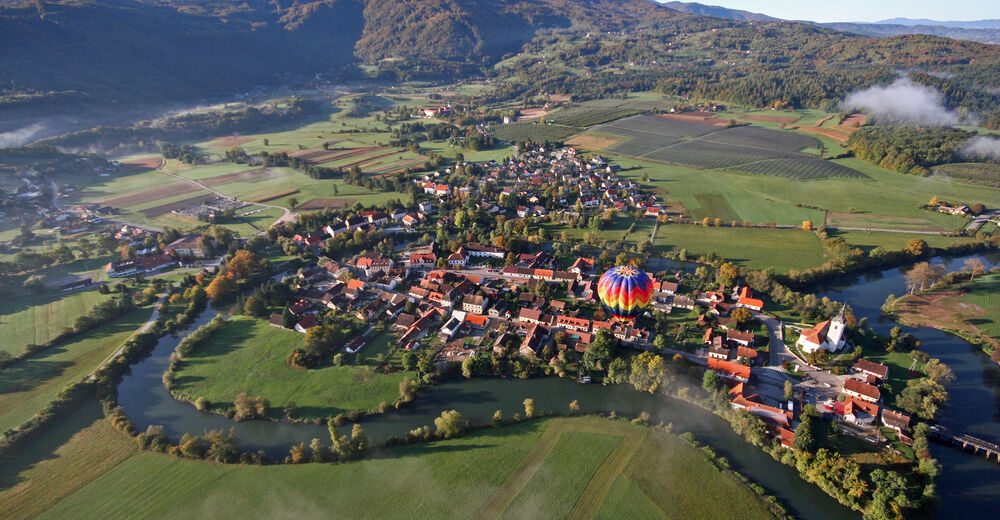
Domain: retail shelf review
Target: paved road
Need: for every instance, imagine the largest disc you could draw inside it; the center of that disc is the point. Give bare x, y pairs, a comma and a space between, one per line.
821, 383
286, 213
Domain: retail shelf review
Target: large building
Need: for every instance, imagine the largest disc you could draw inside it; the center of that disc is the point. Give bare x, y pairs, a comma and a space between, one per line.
827, 335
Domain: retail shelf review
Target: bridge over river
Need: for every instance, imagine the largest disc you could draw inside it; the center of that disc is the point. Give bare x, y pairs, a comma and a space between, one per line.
965, 442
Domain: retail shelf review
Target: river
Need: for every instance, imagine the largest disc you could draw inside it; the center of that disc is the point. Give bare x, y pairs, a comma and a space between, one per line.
969, 486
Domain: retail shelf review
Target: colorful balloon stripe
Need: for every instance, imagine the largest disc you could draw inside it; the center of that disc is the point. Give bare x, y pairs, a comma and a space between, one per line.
625, 291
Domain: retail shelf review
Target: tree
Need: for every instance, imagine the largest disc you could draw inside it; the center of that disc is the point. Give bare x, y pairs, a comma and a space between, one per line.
359, 441
921, 275
529, 407
250, 407
220, 288
939, 372
293, 202
574, 406
974, 266
288, 319
647, 372
727, 274
598, 352
617, 371
322, 340
409, 360
922, 397
254, 306
807, 225
742, 317
789, 390
319, 452
449, 424
805, 439
711, 381
916, 247
407, 390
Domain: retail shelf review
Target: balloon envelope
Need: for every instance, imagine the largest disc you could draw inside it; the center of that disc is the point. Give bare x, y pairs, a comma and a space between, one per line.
625, 291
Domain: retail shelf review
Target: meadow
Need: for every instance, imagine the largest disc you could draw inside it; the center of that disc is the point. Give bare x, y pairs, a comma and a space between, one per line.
28, 385
756, 248
453, 478
248, 355
39, 318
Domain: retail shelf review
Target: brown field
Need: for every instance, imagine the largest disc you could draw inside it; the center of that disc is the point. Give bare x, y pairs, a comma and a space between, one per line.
259, 174
592, 142
276, 196
326, 203
828, 132
314, 154
936, 309
853, 119
353, 152
561, 97
231, 140
141, 165
163, 209
400, 166
772, 119
369, 159
532, 113
142, 197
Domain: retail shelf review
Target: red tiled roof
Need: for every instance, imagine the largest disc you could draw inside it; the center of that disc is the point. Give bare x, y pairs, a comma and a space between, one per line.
730, 368
871, 367
862, 388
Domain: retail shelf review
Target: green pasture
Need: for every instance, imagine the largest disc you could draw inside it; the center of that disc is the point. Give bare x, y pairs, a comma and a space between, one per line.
39, 318
248, 355
757, 248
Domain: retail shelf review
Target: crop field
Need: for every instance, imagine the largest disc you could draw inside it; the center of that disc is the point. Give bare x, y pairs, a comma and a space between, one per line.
761, 138
320, 204
654, 125
456, 478
535, 132
172, 189
38, 319
982, 174
593, 141
28, 385
801, 169
583, 116
248, 355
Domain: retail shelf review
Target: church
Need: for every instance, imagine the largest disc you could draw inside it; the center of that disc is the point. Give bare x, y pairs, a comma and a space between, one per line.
827, 335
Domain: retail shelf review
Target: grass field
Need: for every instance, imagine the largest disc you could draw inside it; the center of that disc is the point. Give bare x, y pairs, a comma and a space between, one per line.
758, 248
77, 450
28, 385
443, 479
533, 131
868, 240
37, 319
983, 174
971, 309
248, 355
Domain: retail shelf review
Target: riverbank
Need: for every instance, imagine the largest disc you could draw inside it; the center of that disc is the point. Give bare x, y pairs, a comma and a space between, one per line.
969, 309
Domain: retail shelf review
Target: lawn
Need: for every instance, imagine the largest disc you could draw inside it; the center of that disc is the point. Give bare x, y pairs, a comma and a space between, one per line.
39, 318
248, 355
758, 248
443, 479
28, 385
868, 240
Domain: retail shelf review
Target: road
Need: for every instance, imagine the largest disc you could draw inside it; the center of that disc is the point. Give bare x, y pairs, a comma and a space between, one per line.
286, 214
821, 383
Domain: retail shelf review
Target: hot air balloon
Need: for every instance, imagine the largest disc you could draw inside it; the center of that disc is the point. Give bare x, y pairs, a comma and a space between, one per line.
625, 291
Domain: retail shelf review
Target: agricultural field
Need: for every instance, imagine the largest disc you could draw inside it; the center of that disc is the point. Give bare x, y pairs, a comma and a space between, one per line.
981, 174
28, 385
534, 132
248, 355
456, 478
703, 144
39, 318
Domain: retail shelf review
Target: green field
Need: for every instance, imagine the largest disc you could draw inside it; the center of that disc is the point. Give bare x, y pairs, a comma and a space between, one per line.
983, 298
757, 248
868, 240
983, 174
248, 355
445, 479
28, 385
37, 319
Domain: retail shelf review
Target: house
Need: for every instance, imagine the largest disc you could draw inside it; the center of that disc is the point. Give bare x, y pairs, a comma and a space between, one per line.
743, 339
746, 353
276, 320
458, 259
307, 323
474, 303
335, 228
374, 262
531, 316
582, 266
898, 421
475, 249
859, 412
861, 390
574, 324
76, 285
189, 245
423, 260
499, 310
532, 340
425, 207
771, 415
872, 369
827, 335
717, 349
355, 344
747, 302
730, 370
477, 321
666, 288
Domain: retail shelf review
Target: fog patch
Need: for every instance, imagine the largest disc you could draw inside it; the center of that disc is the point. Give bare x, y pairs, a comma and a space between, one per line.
903, 101
982, 147
21, 136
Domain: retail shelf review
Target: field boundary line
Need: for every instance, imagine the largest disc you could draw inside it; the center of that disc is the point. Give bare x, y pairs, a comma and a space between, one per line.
589, 503
518, 478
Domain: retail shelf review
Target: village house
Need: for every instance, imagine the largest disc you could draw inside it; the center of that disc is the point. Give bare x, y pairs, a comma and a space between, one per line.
871, 369
861, 390
859, 412
187, 246
306, 323
475, 249
475, 303
748, 302
898, 421
532, 316
730, 370
458, 259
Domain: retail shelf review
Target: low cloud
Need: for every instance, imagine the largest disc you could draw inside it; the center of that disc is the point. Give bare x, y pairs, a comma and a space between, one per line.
982, 147
904, 101
20, 136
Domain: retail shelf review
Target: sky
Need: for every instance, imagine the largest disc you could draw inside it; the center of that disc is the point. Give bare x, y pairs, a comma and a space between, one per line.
866, 10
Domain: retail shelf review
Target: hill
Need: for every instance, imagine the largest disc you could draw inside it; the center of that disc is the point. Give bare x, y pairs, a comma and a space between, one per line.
718, 11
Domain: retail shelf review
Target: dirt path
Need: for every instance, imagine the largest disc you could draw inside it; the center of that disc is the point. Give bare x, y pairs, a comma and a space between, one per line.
505, 494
